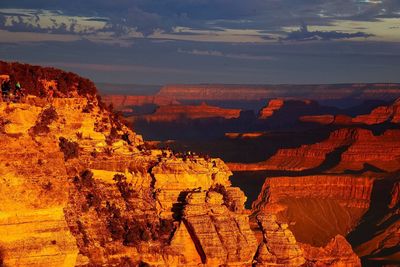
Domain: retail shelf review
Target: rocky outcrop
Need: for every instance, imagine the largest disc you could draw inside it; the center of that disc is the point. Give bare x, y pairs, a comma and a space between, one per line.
350, 191
302, 158
222, 236
83, 191
395, 196
376, 238
338, 252
381, 151
34, 191
345, 149
379, 115
288, 111
176, 113
269, 110
279, 246
334, 204
174, 178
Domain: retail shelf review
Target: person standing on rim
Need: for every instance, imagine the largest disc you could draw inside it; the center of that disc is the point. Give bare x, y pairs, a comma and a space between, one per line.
18, 92
5, 89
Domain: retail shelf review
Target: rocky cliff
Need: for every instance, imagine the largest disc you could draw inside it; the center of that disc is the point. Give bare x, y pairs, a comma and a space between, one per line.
349, 191
290, 110
379, 115
177, 113
81, 189
320, 210
334, 204
345, 149
390, 113
269, 110
376, 237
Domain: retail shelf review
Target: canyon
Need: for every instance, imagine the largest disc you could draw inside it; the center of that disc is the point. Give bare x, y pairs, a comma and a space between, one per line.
315, 174
81, 188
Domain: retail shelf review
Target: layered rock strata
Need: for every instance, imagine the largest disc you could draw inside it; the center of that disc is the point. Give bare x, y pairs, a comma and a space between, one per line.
278, 247
334, 204
84, 191
176, 113
379, 115
350, 191
345, 149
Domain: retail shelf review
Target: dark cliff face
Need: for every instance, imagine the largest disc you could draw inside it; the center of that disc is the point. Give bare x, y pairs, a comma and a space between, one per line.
34, 78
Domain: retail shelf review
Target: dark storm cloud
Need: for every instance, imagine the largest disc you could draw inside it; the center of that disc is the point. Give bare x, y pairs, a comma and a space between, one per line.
149, 15
305, 35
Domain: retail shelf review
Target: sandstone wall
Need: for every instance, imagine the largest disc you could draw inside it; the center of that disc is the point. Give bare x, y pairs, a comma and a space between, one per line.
351, 191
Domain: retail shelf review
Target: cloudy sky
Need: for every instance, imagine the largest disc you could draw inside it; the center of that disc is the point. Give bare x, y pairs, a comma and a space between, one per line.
207, 41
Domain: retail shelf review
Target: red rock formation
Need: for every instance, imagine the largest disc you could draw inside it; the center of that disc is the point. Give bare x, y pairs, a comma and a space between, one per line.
316, 208
176, 113
269, 110
381, 114
349, 191
360, 147
221, 237
376, 238
84, 191
381, 151
390, 113
383, 242
304, 157
286, 110
279, 247
395, 196
338, 252
320, 210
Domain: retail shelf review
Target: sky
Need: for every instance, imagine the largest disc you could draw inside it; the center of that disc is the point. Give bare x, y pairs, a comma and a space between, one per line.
207, 41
